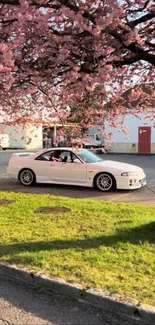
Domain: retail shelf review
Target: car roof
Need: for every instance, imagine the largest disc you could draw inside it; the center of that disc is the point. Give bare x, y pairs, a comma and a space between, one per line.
41, 152
61, 148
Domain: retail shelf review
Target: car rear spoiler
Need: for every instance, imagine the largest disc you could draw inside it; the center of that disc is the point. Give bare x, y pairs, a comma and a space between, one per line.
22, 154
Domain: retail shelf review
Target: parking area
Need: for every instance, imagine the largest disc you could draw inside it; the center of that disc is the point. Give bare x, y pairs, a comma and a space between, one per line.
142, 196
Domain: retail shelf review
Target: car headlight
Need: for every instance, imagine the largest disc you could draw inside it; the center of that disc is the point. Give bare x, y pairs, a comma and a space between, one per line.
130, 174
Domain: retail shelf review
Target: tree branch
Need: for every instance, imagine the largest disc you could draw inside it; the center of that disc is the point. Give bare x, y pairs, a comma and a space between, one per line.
142, 19
140, 54
8, 22
126, 61
139, 9
150, 44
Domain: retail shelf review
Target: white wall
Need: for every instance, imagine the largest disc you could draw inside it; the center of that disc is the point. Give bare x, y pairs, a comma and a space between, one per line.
34, 137
27, 137
96, 130
16, 136
132, 123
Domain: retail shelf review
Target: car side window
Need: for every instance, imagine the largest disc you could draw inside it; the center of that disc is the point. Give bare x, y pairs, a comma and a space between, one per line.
63, 155
46, 156
58, 156
75, 158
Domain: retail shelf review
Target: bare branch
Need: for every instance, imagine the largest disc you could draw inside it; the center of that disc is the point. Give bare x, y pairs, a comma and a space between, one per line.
142, 19
150, 44
126, 61
139, 9
140, 54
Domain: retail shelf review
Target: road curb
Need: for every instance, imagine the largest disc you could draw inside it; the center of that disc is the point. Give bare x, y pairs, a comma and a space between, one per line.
99, 298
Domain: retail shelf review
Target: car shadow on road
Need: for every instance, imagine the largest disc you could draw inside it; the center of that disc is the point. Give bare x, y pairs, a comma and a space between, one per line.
59, 190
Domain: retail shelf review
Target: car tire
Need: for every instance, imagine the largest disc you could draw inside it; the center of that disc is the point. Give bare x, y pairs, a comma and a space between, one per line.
27, 177
105, 182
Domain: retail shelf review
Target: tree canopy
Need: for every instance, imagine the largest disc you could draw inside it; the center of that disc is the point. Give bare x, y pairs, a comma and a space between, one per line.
55, 53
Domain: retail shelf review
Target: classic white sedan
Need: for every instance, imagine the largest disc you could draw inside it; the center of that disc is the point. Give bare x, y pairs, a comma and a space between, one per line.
74, 167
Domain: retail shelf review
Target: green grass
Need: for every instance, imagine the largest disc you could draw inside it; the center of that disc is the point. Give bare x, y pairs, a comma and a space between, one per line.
97, 244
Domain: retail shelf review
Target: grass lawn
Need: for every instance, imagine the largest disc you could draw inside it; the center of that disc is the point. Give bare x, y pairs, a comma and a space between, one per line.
97, 244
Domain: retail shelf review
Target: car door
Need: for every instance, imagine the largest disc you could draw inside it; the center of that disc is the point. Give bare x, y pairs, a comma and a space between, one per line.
70, 171
41, 164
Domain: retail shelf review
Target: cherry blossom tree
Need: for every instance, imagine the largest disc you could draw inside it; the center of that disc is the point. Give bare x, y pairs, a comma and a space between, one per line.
56, 54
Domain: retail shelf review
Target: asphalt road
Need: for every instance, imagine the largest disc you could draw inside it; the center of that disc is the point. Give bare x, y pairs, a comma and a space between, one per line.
143, 196
22, 305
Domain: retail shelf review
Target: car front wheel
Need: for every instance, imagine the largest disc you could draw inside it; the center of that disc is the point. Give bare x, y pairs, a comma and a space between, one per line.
105, 182
27, 177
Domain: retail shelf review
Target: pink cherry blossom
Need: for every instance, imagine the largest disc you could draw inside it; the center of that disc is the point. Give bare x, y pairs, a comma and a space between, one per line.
65, 62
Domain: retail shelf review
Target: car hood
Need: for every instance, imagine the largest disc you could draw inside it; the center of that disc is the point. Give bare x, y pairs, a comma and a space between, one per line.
123, 167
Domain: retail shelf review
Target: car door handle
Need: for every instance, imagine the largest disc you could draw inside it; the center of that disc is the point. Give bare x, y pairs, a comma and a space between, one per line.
52, 165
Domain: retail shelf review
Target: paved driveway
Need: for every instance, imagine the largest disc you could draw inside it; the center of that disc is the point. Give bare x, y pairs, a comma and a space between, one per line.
143, 196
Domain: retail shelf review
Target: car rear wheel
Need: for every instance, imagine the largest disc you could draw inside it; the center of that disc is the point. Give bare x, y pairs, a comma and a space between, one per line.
27, 177
105, 182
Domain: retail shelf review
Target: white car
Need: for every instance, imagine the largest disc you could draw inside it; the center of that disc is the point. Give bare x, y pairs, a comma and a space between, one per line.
74, 167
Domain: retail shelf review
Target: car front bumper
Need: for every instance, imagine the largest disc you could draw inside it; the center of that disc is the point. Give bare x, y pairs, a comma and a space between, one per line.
131, 182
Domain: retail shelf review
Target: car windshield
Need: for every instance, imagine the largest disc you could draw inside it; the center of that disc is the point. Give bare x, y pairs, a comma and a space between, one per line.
88, 156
